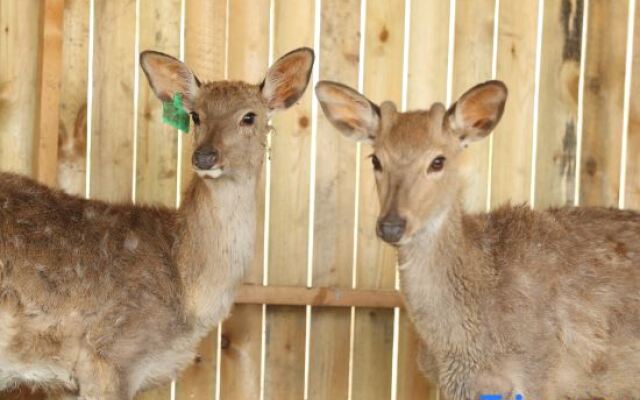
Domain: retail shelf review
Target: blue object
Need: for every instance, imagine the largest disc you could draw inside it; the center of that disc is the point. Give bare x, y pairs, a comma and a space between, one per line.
499, 397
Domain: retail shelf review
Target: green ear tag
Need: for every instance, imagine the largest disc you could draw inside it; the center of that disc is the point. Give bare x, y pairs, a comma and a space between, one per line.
174, 114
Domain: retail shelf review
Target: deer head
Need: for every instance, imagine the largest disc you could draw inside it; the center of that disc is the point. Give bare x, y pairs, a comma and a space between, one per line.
230, 118
415, 154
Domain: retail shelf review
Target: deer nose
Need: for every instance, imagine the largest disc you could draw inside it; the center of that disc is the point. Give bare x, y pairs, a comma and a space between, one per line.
391, 228
204, 158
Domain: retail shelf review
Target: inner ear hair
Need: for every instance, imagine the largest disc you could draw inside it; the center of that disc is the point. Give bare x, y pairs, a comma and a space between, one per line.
287, 79
477, 112
167, 76
349, 111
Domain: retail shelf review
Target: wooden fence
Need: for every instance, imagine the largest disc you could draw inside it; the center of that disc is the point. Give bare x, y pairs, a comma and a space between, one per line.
75, 112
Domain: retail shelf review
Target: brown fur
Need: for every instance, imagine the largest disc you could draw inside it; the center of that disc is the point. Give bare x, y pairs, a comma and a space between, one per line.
107, 299
542, 303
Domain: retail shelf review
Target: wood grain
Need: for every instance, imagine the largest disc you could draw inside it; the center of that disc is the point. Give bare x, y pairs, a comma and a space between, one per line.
45, 158
289, 212
632, 189
512, 140
205, 54
19, 72
558, 110
472, 65
428, 53
19, 76
384, 39
198, 381
335, 181
426, 84
157, 143
248, 56
603, 103
72, 145
112, 121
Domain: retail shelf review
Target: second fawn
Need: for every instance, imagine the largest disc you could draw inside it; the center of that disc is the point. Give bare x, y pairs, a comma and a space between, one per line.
107, 299
541, 303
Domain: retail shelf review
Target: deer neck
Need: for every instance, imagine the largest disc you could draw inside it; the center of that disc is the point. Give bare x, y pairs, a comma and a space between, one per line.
217, 233
442, 275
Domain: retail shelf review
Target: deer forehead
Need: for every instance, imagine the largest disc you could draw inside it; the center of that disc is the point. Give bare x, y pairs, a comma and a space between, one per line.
413, 135
216, 98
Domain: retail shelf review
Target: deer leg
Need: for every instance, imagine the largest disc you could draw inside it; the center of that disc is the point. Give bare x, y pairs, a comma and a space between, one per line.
427, 364
98, 380
490, 383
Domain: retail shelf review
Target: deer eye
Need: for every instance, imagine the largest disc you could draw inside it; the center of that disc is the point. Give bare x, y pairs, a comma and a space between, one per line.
437, 164
195, 117
376, 163
248, 119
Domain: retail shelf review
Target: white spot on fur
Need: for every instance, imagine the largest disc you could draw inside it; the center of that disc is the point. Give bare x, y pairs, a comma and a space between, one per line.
89, 213
104, 245
79, 270
131, 242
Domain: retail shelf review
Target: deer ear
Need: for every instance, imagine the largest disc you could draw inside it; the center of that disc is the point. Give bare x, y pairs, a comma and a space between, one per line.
168, 76
349, 111
288, 78
477, 112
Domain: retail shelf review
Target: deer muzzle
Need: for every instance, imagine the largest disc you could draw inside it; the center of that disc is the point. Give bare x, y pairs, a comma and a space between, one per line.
391, 228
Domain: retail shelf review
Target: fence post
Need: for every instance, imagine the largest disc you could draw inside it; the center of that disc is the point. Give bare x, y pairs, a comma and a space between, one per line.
45, 158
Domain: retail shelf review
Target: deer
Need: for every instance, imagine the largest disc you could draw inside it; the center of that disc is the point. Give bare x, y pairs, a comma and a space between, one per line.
104, 300
515, 302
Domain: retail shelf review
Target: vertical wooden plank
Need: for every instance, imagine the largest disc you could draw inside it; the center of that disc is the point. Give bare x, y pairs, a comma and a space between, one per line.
632, 190
512, 144
603, 103
289, 212
20, 46
157, 149
428, 48
339, 57
72, 146
248, 46
285, 344
157, 143
205, 54
45, 155
559, 79
412, 384
426, 83
112, 123
198, 381
372, 353
19, 49
48, 138
472, 65
248, 56
290, 156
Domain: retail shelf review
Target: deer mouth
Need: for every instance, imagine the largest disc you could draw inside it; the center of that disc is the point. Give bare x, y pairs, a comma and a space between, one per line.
212, 173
